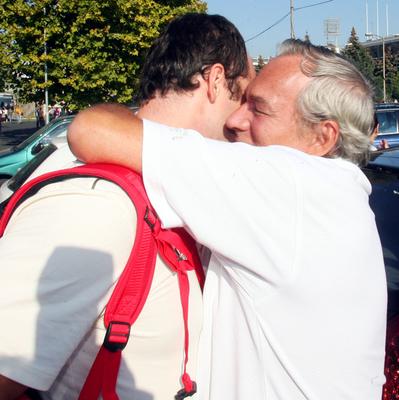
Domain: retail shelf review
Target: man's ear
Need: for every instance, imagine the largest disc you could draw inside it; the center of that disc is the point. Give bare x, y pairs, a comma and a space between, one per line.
325, 138
215, 80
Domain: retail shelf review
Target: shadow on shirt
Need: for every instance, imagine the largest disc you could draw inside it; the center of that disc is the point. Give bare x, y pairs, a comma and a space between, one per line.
73, 289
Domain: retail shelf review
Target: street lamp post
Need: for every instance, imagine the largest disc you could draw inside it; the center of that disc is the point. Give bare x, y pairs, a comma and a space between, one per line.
383, 62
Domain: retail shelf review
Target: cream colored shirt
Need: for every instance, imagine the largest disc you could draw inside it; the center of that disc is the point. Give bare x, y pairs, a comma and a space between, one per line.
61, 254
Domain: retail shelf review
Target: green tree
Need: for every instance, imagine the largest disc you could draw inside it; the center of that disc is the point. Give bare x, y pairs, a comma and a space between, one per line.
94, 49
362, 59
4, 73
395, 88
391, 71
395, 80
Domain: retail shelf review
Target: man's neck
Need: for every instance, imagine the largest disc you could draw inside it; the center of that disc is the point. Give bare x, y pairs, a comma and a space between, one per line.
174, 109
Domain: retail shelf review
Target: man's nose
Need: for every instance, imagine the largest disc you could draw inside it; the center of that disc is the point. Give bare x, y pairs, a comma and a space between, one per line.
239, 120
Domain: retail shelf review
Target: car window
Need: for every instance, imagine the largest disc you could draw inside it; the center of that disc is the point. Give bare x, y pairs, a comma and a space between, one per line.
59, 131
388, 121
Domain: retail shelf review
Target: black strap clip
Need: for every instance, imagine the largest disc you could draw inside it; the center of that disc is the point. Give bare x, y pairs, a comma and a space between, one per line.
182, 394
151, 218
117, 336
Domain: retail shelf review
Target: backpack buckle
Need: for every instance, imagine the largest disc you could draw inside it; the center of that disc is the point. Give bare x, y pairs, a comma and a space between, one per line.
182, 394
117, 336
151, 218
180, 256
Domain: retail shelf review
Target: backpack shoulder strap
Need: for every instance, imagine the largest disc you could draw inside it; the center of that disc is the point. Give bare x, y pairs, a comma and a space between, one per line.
144, 249
128, 180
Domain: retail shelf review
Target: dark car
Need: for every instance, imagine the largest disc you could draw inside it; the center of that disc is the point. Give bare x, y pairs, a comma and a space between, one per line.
388, 120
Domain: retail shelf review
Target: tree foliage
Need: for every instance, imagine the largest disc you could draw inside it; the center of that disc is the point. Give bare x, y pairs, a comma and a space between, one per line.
372, 69
3, 76
94, 49
391, 72
359, 56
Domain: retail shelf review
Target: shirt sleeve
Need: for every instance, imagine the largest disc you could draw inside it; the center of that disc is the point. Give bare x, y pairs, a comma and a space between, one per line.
60, 256
225, 194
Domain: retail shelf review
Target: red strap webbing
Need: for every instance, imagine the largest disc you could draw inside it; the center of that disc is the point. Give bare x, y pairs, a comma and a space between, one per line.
123, 177
180, 253
102, 376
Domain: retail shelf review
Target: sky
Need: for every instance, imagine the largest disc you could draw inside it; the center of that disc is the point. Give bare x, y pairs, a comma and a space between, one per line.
254, 16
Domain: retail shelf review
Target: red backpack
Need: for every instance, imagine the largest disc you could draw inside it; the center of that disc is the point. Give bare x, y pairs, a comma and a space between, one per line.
176, 248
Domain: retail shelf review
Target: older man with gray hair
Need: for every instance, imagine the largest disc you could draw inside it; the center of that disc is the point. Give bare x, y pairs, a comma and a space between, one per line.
295, 295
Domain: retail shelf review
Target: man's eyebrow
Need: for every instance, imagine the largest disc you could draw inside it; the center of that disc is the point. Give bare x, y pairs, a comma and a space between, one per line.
257, 99
260, 101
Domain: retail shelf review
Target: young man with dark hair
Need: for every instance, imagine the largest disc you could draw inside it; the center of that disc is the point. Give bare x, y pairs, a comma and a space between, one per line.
195, 74
65, 247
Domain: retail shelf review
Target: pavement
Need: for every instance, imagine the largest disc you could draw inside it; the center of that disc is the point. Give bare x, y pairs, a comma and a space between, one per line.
13, 133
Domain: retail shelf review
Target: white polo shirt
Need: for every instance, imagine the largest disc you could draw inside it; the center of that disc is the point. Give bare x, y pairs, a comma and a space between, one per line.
295, 295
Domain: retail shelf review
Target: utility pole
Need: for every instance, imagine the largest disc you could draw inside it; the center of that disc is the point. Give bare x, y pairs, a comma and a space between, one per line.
386, 20
292, 19
378, 19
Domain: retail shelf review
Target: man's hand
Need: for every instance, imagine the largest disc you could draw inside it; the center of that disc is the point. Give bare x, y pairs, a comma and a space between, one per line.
107, 133
10, 390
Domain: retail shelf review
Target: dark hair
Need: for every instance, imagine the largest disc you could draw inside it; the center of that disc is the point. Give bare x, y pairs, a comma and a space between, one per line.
190, 44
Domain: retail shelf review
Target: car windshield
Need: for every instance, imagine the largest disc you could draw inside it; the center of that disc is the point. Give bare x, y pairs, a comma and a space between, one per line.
388, 121
41, 132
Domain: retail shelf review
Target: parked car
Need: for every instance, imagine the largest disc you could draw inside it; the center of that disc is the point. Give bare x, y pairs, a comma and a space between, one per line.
9, 186
14, 158
388, 120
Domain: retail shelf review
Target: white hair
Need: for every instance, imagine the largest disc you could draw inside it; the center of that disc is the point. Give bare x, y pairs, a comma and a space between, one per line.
339, 92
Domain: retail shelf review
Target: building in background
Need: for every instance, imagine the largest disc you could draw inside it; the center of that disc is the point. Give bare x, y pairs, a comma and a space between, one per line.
374, 45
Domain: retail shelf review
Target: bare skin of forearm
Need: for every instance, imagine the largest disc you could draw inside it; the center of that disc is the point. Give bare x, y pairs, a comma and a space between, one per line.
10, 390
107, 133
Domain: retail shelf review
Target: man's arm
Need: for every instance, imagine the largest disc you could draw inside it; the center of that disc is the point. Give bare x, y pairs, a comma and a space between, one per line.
10, 390
107, 133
